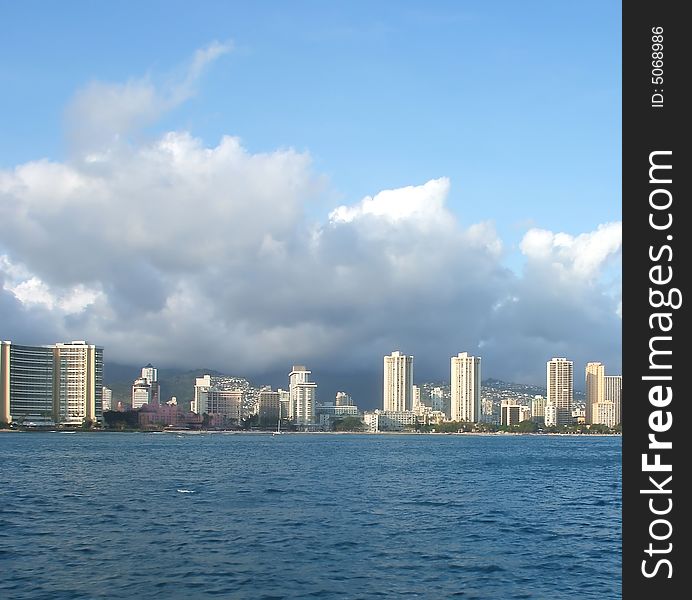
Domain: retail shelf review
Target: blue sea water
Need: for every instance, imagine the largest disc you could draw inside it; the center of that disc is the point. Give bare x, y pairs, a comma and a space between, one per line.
116, 515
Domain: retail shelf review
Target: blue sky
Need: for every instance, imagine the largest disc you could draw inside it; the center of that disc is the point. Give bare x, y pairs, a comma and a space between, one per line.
516, 104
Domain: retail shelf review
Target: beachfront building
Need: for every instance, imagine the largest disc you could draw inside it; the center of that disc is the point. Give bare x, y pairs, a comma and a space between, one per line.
268, 408
141, 393
389, 420
538, 409
54, 384
398, 382
510, 413
303, 396
223, 406
560, 385
466, 388
613, 393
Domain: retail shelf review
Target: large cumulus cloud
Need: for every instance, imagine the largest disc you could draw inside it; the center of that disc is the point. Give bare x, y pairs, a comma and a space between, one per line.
182, 254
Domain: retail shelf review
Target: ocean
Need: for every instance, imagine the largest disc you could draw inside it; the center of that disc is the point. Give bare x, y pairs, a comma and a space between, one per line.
256, 516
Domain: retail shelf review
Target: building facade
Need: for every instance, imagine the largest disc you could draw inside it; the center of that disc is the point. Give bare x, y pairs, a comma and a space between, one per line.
106, 399
151, 374
466, 388
560, 385
398, 382
57, 384
603, 396
303, 395
269, 407
26, 384
538, 409
389, 420
223, 406
595, 389
613, 393
604, 414
141, 393
343, 399
510, 413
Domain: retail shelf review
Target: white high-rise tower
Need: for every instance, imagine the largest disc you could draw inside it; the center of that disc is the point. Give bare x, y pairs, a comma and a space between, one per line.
466, 388
613, 393
303, 395
560, 384
398, 382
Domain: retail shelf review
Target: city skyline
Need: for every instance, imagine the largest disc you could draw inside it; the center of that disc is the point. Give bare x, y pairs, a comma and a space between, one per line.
63, 383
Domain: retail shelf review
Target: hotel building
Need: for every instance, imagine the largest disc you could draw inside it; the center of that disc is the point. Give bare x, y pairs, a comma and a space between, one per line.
268, 407
613, 393
466, 388
58, 384
398, 382
222, 405
303, 395
595, 389
560, 385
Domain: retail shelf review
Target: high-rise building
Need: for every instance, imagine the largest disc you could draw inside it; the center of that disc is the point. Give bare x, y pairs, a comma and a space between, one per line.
79, 369
510, 413
550, 414
466, 388
223, 405
141, 392
26, 383
613, 393
61, 383
595, 389
268, 407
303, 395
106, 398
604, 414
603, 396
398, 382
151, 374
538, 409
417, 405
437, 399
285, 400
560, 385
343, 399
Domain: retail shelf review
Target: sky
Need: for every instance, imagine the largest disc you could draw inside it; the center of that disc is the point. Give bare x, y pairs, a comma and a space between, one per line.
247, 186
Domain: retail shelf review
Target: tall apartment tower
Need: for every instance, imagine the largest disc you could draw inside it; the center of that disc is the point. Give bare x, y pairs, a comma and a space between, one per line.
398, 382
79, 373
106, 398
303, 395
141, 392
26, 383
200, 402
595, 388
613, 393
466, 388
269, 407
151, 374
62, 383
224, 404
560, 384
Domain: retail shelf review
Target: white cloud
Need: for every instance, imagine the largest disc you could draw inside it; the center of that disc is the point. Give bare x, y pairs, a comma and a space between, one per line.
423, 204
103, 114
31, 291
582, 256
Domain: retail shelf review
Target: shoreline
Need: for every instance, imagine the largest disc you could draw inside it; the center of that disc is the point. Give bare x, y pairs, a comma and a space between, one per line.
272, 433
